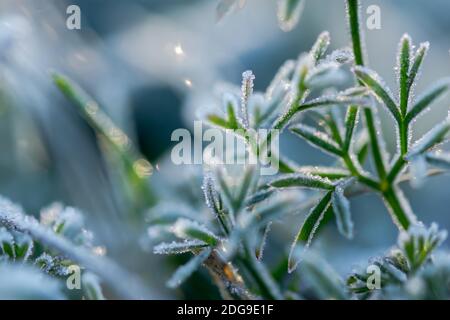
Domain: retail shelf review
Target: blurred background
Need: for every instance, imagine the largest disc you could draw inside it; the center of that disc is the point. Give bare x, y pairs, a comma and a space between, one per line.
151, 64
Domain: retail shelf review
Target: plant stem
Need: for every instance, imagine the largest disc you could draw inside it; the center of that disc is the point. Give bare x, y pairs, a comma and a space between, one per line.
388, 192
227, 279
403, 132
397, 208
361, 177
375, 144
353, 11
396, 169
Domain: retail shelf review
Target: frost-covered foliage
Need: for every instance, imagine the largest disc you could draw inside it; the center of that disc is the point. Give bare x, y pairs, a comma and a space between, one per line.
224, 225
304, 99
45, 255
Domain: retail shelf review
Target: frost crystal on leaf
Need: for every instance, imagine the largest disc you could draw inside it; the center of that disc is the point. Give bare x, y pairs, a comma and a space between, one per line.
246, 92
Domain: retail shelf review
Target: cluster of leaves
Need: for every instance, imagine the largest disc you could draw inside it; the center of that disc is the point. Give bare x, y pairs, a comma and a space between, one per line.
408, 271
228, 242
19, 248
242, 205
336, 130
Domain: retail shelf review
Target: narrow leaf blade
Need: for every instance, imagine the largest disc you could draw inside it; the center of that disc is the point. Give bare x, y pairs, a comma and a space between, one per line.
307, 230
301, 180
374, 82
317, 138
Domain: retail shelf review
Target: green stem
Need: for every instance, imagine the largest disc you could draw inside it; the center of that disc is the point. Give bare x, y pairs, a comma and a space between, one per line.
362, 178
388, 192
397, 208
403, 132
355, 32
353, 11
396, 169
375, 144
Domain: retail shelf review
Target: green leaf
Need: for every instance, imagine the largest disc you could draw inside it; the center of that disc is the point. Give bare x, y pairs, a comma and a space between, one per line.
186, 270
362, 152
416, 66
218, 121
428, 97
419, 242
179, 247
308, 229
301, 180
404, 57
214, 201
258, 197
429, 140
341, 208
317, 138
373, 81
342, 98
351, 119
188, 229
7, 244
320, 47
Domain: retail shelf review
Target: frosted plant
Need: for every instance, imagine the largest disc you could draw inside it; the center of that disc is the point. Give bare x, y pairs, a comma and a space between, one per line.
299, 99
306, 98
407, 268
52, 245
226, 245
